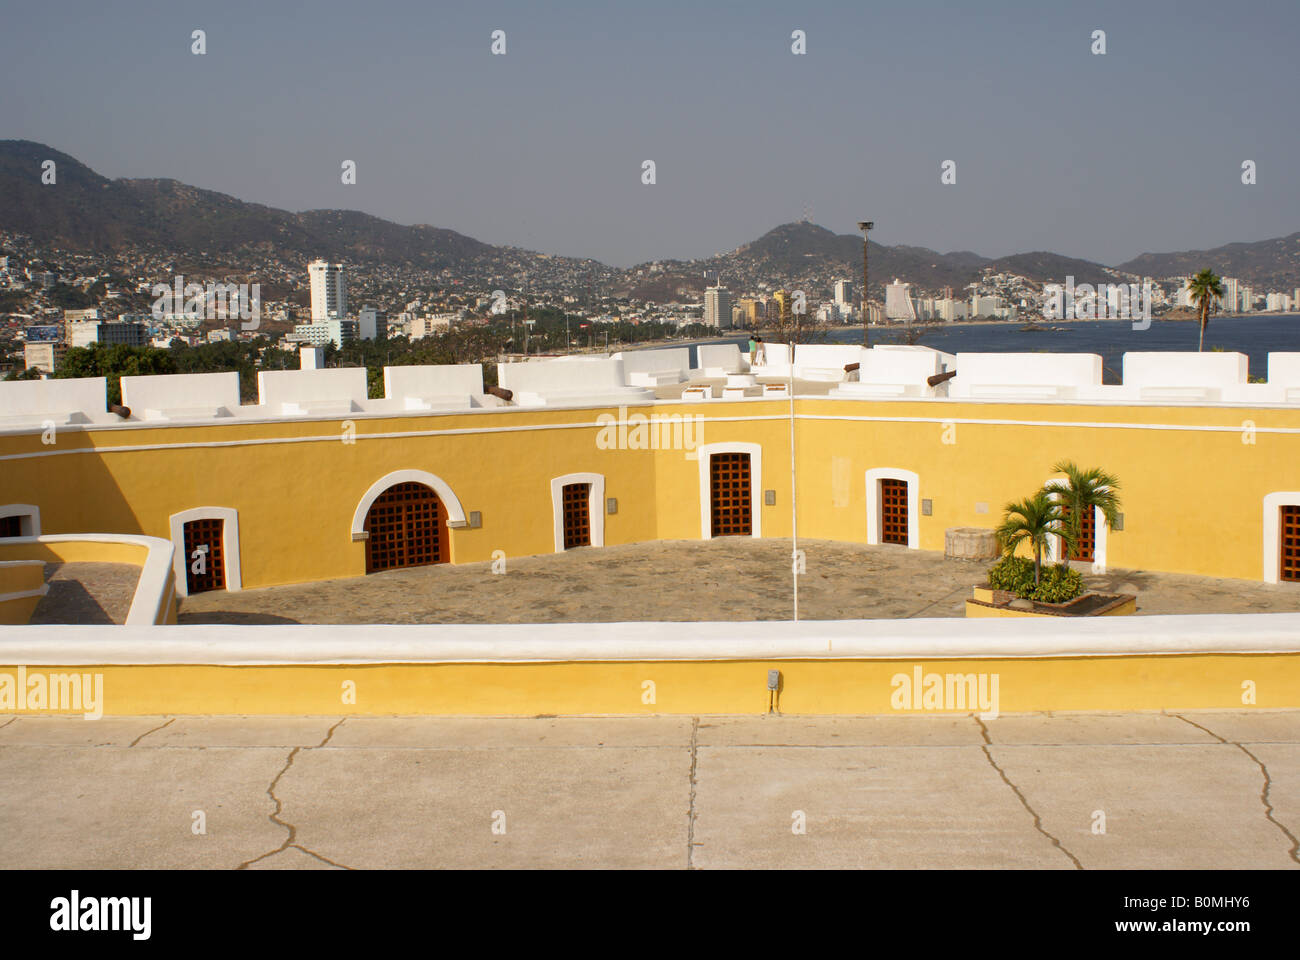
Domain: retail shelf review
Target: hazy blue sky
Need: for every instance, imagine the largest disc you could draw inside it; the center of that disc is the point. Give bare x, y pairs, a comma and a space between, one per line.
1101, 157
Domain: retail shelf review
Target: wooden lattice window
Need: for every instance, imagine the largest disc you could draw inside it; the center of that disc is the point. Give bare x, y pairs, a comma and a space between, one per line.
205, 560
729, 496
893, 511
406, 527
1288, 567
1086, 547
575, 501
11, 526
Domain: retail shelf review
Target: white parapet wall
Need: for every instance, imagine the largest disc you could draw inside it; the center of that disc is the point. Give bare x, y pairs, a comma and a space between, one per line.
569, 381
649, 368
183, 396
1025, 376
312, 392
1284, 377
25, 404
824, 361
1184, 376
430, 387
896, 370
777, 357
718, 359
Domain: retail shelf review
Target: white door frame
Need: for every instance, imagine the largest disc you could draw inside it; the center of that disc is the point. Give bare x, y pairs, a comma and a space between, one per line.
595, 506
1273, 531
229, 545
913, 481
705, 453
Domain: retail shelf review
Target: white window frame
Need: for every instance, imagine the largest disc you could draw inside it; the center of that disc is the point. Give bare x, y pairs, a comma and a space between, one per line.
1099, 525
913, 481
705, 454
595, 506
1273, 531
29, 517
229, 545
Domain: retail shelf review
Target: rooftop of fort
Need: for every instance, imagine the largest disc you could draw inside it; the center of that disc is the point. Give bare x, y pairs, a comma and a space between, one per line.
722, 374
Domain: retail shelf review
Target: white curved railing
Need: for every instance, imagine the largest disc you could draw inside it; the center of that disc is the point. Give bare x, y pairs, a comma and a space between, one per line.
153, 601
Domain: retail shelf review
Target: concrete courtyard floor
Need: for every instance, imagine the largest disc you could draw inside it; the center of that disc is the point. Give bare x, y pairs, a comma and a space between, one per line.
731, 578
1069, 791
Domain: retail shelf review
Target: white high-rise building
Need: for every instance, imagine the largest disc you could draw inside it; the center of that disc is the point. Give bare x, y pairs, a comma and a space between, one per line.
844, 295
1247, 300
329, 296
898, 301
371, 326
1231, 294
717, 307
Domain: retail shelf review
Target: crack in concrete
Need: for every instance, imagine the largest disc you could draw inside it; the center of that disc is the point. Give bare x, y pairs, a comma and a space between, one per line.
1294, 852
274, 816
1038, 821
690, 823
7, 722
154, 730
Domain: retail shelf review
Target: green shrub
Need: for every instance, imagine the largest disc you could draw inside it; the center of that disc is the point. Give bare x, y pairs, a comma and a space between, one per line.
1057, 583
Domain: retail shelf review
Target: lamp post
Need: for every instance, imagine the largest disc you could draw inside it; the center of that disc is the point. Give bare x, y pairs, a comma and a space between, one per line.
865, 226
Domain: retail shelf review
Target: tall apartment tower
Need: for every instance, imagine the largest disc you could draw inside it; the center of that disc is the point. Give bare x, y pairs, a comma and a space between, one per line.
329, 297
843, 294
717, 307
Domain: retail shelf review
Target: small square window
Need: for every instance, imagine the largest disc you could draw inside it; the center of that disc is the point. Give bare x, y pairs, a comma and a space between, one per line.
611, 505
927, 508
769, 498
475, 519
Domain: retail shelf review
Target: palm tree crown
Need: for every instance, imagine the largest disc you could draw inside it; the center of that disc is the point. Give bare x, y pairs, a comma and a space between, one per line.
1206, 290
1087, 490
1032, 521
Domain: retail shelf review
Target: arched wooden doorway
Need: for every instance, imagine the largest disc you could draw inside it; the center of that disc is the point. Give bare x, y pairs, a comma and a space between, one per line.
406, 526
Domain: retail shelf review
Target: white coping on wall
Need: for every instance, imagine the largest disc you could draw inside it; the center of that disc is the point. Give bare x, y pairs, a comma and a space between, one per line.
913, 641
595, 506
825, 361
153, 590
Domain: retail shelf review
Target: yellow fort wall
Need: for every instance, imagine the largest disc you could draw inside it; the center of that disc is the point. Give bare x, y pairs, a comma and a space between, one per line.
1192, 490
809, 687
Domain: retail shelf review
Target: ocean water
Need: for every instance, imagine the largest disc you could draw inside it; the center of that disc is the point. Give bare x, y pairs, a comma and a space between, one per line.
1254, 336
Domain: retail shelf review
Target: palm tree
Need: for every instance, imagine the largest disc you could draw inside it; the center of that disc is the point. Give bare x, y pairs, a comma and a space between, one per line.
1206, 290
1032, 521
1091, 489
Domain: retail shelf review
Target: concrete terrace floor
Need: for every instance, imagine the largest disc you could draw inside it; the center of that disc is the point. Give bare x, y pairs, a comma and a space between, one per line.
87, 593
731, 578
1196, 791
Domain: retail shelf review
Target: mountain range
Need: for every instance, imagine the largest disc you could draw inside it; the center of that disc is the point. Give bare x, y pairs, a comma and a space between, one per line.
86, 212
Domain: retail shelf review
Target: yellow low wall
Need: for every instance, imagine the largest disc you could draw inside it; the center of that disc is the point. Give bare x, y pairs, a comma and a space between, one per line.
154, 600
809, 687
22, 585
